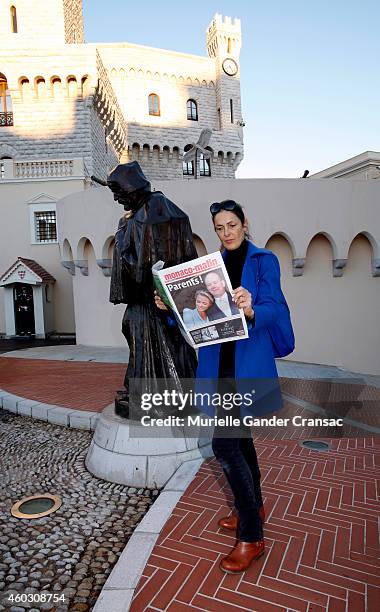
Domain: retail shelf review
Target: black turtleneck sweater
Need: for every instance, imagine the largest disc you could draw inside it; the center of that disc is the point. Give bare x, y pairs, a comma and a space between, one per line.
234, 263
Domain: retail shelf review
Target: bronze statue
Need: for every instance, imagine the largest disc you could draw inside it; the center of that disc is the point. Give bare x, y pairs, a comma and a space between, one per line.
152, 229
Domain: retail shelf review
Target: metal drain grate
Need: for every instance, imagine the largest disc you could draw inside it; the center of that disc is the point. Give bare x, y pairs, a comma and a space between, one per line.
316, 445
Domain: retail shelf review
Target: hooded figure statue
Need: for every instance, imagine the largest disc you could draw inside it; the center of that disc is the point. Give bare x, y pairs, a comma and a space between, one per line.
153, 229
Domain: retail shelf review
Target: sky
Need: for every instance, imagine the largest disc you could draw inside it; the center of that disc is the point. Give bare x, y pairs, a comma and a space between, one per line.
309, 71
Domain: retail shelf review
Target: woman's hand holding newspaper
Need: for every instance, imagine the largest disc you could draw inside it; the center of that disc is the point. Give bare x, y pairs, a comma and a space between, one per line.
159, 303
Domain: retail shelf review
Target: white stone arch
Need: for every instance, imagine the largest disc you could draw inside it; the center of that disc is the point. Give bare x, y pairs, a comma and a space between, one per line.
67, 257
146, 150
67, 252
113, 73
135, 150
72, 85
40, 86
338, 264
81, 246
286, 237
85, 85
156, 150
334, 246
204, 83
132, 73
374, 249
122, 74
173, 78
140, 74
197, 82
375, 245
157, 76
181, 79
56, 86
211, 84
107, 247
148, 74
165, 76
189, 81
24, 87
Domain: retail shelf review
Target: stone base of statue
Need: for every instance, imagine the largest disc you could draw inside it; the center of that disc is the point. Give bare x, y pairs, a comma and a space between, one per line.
123, 452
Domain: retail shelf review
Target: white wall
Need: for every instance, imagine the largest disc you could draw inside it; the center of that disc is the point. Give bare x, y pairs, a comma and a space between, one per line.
335, 319
15, 241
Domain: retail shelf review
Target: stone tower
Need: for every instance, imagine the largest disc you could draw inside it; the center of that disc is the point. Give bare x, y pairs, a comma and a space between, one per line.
223, 41
39, 23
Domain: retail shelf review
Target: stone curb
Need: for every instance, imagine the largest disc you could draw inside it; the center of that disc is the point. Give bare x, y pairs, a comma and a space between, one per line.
121, 584
58, 415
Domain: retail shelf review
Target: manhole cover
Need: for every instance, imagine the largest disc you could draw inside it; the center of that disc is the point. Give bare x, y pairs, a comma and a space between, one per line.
36, 506
317, 445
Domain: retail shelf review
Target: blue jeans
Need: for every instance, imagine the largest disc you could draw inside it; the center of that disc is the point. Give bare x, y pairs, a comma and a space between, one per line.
237, 456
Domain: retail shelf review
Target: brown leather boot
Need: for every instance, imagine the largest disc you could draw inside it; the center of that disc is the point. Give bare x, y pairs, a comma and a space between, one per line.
231, 522
241, 557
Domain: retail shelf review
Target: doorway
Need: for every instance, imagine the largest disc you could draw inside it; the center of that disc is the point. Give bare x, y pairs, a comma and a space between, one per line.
24, 310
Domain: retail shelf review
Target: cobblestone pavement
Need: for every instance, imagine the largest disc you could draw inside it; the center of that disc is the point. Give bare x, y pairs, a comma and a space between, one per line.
71, 552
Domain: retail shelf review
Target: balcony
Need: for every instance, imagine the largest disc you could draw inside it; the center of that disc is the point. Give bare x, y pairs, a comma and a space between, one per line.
6, 119
41, 169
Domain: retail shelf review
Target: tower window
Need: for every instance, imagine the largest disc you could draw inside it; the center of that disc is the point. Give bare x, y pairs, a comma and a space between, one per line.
154, 104
13, 20
6, 114
188, 167
231, 110
45, 226
204, 166
192, 110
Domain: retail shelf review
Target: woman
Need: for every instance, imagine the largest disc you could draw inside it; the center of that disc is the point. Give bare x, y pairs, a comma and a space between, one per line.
198, 315
255, 276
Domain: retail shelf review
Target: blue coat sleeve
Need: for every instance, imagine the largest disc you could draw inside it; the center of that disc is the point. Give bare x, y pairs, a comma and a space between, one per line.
270, 302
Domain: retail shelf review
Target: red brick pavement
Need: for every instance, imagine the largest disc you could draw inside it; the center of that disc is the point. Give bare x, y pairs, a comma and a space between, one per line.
73, 384
321, 537
322, 530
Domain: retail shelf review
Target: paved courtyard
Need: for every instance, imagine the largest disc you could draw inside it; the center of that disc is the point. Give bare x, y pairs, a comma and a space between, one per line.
322, 507
321, 536
72, 551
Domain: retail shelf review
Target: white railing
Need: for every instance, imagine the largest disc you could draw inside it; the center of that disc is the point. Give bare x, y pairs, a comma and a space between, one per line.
41, 169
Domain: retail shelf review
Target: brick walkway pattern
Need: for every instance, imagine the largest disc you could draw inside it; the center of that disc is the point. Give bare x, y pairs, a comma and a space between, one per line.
321, 537
81, 384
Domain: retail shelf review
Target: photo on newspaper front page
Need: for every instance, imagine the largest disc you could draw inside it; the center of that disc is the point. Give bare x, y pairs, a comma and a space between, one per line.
199, 292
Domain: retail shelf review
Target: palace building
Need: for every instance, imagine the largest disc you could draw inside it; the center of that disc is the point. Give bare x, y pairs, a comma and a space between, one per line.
62, 98
69, 110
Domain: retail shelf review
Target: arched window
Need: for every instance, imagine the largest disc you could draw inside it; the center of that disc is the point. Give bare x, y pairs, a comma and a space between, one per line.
13, 20
204, 166
192, 110
154, 104
40, 86
188, 167
6, 114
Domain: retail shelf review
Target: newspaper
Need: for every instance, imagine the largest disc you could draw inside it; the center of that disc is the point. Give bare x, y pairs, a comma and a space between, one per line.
199, 294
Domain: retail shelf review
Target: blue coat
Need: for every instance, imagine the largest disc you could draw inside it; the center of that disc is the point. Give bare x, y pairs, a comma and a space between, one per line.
254, 356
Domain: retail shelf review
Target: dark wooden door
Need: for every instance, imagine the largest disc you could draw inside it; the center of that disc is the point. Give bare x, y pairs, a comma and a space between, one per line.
24, 309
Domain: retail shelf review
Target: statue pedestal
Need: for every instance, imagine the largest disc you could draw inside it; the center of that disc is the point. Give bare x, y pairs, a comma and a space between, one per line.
119, 454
